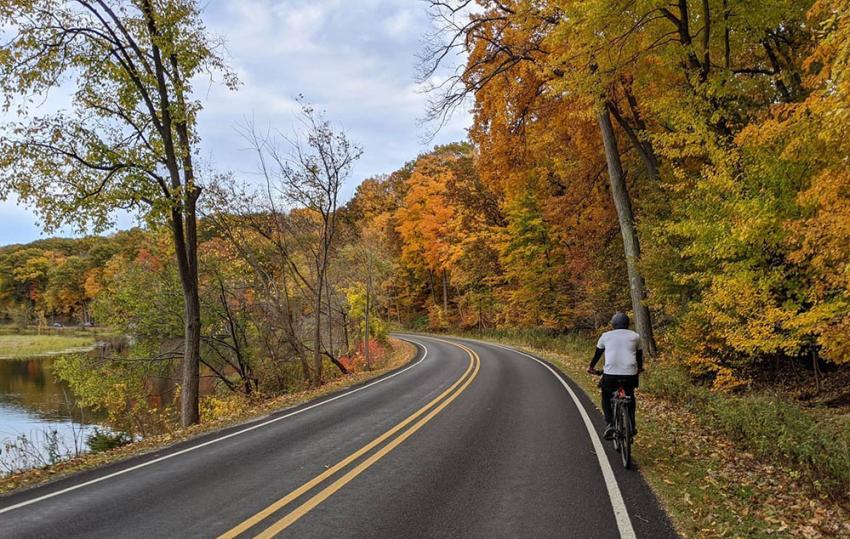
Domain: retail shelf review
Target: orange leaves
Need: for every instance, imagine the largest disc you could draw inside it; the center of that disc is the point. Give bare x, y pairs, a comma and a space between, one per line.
429, 221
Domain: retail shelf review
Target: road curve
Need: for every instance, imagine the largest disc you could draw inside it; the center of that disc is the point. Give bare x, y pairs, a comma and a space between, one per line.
470, 440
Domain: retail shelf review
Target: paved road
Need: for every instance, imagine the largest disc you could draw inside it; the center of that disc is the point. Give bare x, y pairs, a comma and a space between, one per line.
470, 440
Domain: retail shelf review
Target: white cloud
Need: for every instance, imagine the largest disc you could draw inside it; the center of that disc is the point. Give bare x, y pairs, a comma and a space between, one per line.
353, 59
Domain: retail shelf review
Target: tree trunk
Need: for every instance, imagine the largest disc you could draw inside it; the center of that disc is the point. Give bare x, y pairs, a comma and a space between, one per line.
342, 368
189, 414
631, 245
330, 317
433, 286
345, 333
816, 369
727, 51
445, 296
305, 364
643, 148
317, 334
366, 352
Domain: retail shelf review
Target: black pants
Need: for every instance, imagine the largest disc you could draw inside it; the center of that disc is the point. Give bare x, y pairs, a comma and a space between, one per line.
609, 384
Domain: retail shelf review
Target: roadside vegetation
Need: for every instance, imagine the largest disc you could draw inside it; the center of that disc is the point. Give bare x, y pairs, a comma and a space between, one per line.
218, 412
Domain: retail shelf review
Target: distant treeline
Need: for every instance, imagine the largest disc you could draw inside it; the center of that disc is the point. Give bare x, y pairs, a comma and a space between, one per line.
57, 279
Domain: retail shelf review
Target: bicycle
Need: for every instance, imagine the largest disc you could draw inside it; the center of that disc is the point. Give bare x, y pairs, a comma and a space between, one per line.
622, 436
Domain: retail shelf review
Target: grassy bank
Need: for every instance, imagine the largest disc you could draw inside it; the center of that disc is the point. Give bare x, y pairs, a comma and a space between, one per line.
218, 412
26, 346
747, 465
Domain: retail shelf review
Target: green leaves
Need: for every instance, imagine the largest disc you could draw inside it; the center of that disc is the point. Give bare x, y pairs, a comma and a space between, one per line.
120, 144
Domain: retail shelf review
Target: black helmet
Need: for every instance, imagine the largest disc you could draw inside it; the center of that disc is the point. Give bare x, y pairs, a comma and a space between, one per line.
620, 320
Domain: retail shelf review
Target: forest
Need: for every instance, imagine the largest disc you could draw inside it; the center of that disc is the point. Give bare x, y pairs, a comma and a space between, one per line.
686, 163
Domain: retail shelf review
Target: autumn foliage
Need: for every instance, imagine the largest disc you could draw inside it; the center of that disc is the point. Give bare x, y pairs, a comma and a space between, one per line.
732, 123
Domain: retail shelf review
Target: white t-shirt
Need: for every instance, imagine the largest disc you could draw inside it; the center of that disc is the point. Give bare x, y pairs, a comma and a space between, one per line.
620, 346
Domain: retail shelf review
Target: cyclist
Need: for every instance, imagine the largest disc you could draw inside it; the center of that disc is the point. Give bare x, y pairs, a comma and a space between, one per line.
623, 364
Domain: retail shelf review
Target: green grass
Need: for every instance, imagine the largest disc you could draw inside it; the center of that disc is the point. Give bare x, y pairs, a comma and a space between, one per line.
27, 346
748, 465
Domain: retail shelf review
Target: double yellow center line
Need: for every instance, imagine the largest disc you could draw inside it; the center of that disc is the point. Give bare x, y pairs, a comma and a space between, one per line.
429, 411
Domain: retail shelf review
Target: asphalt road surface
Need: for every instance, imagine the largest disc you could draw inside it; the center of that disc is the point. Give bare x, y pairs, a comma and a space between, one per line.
469, 440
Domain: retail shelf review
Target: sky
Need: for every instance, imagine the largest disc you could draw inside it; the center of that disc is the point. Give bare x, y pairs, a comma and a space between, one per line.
353, 59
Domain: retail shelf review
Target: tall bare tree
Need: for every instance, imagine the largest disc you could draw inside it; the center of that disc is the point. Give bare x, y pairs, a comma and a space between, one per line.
313, 171
304, 172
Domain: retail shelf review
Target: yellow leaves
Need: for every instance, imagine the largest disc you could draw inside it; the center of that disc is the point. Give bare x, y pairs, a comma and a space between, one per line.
93, 284
215, 408
725, 380
834, 336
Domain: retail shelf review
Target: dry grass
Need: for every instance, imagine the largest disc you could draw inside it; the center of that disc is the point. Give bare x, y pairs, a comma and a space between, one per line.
28, 346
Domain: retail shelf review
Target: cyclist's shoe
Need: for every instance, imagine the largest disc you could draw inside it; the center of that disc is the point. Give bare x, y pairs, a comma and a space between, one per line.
609, 432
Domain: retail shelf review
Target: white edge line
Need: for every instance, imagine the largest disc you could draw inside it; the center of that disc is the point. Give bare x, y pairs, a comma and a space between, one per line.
617, 504
216, 440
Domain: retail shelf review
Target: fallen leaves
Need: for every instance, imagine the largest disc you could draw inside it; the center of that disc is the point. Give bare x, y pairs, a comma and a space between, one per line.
712, 488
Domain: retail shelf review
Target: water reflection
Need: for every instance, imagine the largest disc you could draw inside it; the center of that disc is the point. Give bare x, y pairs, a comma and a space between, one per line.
35, 404
30, 385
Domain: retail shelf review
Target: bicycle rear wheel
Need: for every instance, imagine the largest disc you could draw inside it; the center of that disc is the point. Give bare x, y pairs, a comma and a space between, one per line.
615, 436
625, 434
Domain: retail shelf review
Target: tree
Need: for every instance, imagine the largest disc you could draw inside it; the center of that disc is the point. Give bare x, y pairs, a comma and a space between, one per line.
368, 268
311, 174
65, 293
130, 141
631, 244
303, 172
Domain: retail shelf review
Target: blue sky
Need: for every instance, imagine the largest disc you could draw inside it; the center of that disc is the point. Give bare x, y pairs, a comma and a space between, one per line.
354, 59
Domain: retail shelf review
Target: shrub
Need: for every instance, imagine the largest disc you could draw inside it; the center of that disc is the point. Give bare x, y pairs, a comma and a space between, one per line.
674, 384
102, 440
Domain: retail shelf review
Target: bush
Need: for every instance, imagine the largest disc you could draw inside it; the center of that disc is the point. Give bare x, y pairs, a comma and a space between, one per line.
674, 384
101, 440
